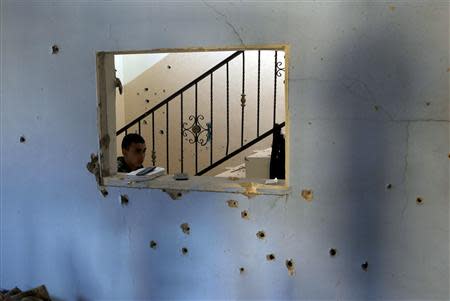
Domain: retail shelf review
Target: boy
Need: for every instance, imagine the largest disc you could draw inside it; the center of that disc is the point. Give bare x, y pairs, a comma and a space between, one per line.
133, 150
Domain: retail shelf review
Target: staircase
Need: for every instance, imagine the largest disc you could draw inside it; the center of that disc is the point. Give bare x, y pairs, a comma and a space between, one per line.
256, 166
200, 133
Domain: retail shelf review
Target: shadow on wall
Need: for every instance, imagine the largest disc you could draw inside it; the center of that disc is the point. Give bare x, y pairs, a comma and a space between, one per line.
370, 86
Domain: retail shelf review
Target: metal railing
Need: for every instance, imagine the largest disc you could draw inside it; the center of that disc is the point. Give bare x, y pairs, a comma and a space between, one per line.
196, 130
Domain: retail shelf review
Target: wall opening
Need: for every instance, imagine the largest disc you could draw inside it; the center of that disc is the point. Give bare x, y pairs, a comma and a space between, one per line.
216, 112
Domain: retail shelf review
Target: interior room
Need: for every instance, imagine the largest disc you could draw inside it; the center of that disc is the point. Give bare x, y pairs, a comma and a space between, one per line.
202, 96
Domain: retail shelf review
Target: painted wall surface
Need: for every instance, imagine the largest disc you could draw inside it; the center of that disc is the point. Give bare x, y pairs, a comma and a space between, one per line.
369, 106
120, 98
134, 65
175, 71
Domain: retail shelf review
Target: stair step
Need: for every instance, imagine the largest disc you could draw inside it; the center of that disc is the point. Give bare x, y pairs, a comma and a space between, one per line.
236, 171
257, 165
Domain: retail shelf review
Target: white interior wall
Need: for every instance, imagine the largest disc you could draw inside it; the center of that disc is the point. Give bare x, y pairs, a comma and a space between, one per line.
128, 67
136, 64
368, 104
120, 100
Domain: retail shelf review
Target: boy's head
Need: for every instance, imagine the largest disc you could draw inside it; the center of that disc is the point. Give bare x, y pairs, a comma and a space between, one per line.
133, 150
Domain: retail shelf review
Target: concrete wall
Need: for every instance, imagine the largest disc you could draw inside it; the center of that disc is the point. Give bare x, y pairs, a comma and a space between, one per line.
175, 71
369, 105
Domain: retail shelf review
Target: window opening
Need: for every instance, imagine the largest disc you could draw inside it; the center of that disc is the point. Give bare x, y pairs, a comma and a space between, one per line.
200, 113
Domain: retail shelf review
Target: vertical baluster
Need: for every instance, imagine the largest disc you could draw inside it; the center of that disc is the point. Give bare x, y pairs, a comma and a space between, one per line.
196, 137
167, 136
258, 92
153, 140
228, 111
126, 132
139, 127
196, 101
211, 124
243, 98
275, 90
181, 133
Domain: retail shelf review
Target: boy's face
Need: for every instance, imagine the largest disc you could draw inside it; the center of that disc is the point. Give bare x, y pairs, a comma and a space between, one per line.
135, 154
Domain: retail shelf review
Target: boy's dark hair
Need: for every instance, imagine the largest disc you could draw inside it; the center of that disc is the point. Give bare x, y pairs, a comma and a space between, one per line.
131, 138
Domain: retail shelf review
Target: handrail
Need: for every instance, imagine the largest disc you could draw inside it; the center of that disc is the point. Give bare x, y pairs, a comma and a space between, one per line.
254, 141
165, 101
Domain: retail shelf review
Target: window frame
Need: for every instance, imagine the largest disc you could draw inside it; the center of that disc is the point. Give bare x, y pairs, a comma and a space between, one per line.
106, 123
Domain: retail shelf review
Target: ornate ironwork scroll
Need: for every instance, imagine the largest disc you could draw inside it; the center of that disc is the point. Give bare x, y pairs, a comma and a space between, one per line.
279, 69
196, 130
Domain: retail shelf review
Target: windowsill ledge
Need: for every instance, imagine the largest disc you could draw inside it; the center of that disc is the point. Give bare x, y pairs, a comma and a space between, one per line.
248, 187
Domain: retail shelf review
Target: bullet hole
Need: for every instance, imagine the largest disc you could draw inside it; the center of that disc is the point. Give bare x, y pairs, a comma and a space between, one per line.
155, 93
145, 89
173, 193
161, 132
307, 194
185, 228
22, 139
138, 93
270, 257
93, 166
376, 108
365, 266
55, 49
184, 251
169, 67
428, 103
250, 189
147, 101
164, 90
233, 203
388, 186
261, 234
153, 244
333, 252
321, 58
241, 270
291, 267
419, 201
104, 192
145, 121
104, 141
244, 214
124, 200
